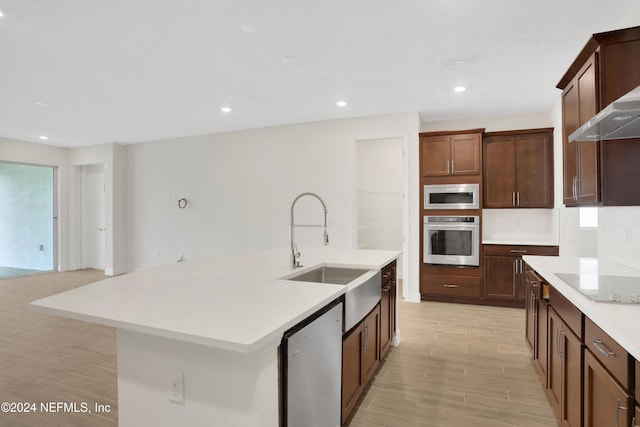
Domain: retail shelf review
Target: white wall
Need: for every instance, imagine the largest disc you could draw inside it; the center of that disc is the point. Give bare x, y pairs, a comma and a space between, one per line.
240, 187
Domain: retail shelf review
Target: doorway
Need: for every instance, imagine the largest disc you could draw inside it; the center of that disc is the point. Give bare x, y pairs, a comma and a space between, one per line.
27, 219
380, 184
93, 216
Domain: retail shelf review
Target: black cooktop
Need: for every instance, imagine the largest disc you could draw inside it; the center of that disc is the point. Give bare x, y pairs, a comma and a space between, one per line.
613, 289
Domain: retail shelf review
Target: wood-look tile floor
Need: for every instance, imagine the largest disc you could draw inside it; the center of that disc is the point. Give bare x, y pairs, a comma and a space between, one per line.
46, 359
457, 365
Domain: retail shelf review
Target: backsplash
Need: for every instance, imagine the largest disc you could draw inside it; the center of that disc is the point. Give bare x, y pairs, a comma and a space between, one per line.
520, 226
620, 235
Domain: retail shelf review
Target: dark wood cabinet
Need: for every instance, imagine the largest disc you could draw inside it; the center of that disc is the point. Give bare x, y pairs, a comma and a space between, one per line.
537, 308
360, 359
606, 402
580, 160
598, 172
352, 370
504, 271
518, 169
387, 308
451, 153
564, 370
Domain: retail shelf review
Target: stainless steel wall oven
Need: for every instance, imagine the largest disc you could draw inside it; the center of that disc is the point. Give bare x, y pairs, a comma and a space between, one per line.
452, 240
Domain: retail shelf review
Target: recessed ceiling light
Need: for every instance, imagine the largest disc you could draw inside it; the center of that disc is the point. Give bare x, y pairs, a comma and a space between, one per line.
43, 137
248, 28
341, 103
1, 14
459, 89
225, 109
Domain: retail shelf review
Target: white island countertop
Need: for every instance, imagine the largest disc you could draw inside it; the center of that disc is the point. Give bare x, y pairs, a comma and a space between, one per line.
233, 303
620, 321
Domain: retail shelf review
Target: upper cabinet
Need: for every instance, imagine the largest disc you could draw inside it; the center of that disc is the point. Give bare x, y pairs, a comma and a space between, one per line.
451, 153
518, 169
598, 172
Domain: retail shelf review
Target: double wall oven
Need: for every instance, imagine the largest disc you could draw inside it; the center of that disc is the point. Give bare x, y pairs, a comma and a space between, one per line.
451, 239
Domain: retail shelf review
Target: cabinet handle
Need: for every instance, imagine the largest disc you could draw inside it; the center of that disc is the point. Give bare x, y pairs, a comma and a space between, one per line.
366, 337
513, 198
559, 340
602, 348
452, 167
518, 198
518, 251
450, 286
386, 288
618, 408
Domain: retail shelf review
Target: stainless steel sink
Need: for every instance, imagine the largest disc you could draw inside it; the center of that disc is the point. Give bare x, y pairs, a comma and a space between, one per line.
359, 300
327, 274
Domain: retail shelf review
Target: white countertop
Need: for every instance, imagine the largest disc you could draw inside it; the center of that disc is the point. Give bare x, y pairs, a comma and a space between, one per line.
233, 303
620, 321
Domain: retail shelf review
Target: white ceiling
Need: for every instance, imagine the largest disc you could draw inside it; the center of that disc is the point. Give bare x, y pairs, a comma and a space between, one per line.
137, 70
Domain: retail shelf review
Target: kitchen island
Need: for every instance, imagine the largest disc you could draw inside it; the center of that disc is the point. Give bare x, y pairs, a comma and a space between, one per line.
218, 322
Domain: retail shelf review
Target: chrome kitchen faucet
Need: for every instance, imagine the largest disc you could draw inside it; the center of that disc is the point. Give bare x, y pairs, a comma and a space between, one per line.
295, 254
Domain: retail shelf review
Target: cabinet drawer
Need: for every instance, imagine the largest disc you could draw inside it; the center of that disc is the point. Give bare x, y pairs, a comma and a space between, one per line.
453, 285
569, 313
388, 273
519, 250
612, 356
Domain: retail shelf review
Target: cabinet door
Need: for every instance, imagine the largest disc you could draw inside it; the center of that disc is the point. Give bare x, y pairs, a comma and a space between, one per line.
499, 172
571, 414
570, 120
606, 404
371, 344
555, 360
531, 324
588, 184
541, 339
385, 320
534, 171
500, 276
352, 372
435, 155
565, 371
465, 154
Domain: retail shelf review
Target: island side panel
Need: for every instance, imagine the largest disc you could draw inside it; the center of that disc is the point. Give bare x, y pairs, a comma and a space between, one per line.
221, 387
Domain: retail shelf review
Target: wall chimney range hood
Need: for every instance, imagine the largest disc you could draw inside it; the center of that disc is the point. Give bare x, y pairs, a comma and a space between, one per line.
619, 120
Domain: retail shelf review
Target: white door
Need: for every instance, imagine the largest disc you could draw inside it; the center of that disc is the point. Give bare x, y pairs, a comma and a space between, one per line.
380, 195
92, 216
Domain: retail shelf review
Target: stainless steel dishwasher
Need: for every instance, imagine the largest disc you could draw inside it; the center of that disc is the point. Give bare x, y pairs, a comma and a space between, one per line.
311, 370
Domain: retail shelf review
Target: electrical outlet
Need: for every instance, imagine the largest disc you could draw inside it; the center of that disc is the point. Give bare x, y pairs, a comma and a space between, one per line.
175, 389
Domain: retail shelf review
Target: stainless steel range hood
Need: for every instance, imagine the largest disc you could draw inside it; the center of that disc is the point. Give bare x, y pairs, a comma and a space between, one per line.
619, 120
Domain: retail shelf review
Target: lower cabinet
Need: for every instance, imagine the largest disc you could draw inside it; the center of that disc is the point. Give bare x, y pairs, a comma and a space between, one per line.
360, 358
564, 371
589, 377
504, 271
606, 403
